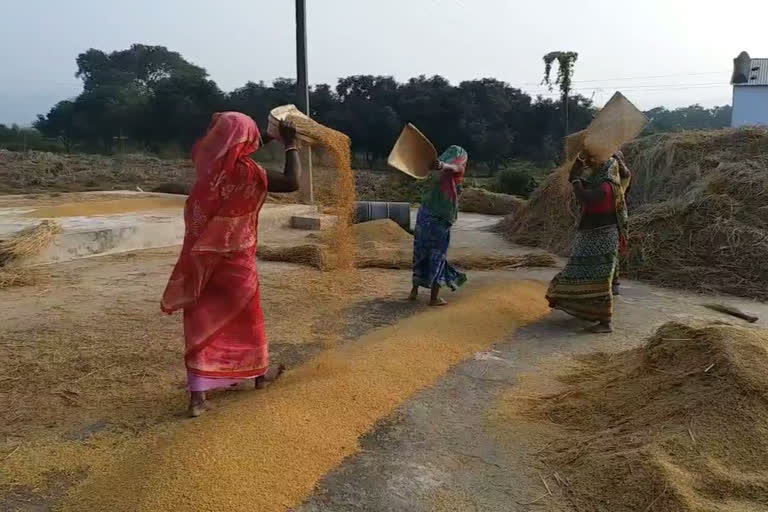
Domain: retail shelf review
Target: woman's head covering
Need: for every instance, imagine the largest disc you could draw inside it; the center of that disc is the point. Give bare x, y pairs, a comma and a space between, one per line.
231, 136
456, 155
221, 213
442, 199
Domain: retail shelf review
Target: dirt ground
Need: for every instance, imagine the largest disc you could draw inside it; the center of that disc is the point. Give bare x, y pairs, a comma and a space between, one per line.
461, 444
89, 365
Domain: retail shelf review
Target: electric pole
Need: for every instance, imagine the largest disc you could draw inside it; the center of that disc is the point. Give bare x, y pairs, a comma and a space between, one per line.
302, 97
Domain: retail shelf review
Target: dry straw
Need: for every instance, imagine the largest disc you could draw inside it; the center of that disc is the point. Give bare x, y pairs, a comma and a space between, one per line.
28, 242
698, 212
478, 200
676, 425
17, 277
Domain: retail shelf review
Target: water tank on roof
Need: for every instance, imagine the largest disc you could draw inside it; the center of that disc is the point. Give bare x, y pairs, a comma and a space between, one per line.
741, 69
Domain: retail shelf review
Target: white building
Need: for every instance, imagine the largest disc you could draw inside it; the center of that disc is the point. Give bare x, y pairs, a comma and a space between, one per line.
750, 91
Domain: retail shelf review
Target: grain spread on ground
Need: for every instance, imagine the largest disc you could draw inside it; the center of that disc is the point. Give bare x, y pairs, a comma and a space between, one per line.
301, 427
111, 207
677, 425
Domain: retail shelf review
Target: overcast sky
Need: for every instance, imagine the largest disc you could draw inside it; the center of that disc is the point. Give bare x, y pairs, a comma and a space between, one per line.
688, 44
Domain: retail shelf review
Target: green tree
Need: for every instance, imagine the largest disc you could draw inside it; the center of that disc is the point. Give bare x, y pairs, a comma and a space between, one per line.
60, 124
566, 61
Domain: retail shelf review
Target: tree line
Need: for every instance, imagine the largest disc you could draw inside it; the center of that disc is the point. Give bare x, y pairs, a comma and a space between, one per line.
152, 98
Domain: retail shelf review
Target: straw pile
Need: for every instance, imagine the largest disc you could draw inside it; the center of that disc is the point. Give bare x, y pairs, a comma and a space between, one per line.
28, 242
18, 277
698, 212
548, 219
677, 425
37, 171
479, 200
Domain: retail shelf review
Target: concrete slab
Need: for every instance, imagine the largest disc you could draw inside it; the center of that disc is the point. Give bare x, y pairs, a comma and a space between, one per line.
116, 222
317, 222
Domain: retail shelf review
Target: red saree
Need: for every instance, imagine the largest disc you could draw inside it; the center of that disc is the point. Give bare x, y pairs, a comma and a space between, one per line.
215, 280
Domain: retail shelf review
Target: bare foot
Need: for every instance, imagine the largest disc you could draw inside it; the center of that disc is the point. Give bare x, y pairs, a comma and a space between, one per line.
273, 373
414, 295
601, 328
438, 302
197, 404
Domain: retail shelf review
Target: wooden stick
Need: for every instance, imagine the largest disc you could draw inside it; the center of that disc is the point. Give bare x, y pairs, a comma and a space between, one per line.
730, 310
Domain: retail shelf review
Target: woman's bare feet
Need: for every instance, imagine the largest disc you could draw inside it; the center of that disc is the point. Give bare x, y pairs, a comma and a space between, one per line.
414, 294
438, 302
273, 373
602, 328
197, 404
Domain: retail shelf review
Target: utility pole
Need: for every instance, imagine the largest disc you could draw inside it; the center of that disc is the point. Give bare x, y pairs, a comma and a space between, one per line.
302, 98
566, 90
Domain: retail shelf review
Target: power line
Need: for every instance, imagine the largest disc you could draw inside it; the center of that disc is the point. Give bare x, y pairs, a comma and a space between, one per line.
637, 88
650, 77
647, 77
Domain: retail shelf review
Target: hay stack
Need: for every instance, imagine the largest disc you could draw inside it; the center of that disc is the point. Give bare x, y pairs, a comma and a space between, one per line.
549, 217
28, 242
677, 425
479, 200
698, 212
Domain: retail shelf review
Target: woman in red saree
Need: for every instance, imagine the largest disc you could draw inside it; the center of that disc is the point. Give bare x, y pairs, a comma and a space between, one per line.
215, 280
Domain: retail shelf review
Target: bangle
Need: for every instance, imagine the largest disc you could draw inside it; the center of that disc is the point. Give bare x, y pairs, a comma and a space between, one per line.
291, 148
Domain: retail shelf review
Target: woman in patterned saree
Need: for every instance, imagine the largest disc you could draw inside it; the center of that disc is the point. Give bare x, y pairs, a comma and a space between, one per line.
584, 287
215, 280
437, 214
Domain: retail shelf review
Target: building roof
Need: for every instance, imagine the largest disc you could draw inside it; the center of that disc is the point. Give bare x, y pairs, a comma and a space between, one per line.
758, 74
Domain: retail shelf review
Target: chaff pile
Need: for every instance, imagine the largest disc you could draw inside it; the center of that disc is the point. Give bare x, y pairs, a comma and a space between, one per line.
676, 425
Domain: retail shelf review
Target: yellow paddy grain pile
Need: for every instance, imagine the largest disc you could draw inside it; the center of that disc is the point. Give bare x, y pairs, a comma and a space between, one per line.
267, 451
678, 425
383, 231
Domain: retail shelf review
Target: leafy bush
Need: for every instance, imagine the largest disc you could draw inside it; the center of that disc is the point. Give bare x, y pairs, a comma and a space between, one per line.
517, 179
